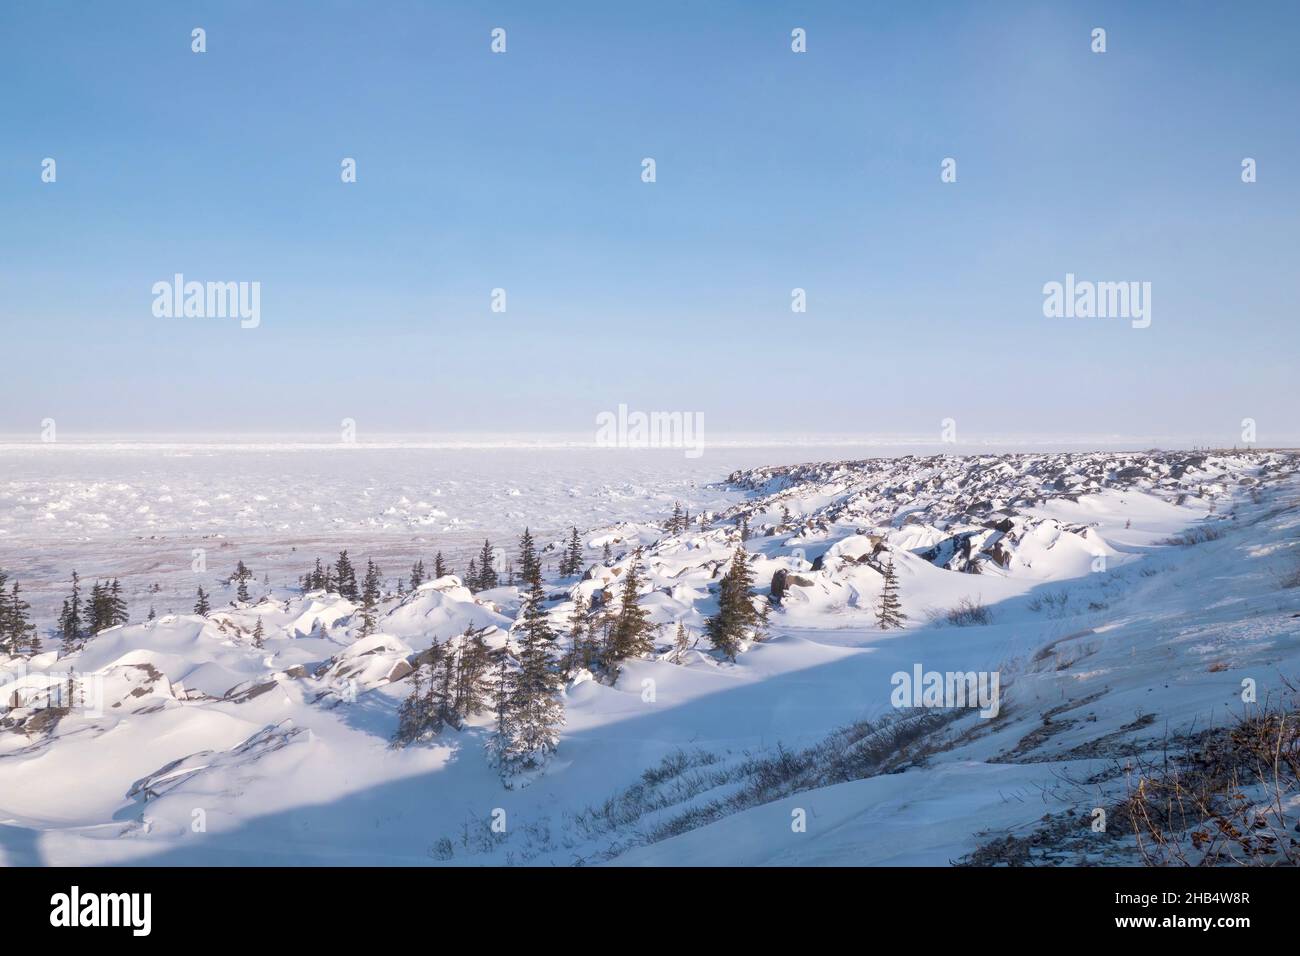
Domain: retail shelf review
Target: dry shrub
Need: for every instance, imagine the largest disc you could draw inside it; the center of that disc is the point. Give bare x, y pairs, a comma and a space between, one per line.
1229, 800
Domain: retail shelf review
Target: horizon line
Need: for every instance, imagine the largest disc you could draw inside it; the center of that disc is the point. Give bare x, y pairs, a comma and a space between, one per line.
484, 440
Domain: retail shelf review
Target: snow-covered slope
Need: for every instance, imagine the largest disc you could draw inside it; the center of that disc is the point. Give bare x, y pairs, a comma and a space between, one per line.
188, 743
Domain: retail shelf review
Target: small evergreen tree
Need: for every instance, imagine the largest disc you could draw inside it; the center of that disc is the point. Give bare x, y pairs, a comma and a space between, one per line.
889, 613
417, 574
415, 717
6, 618
487, 575
345, 577
529, 568
22, 630
370, 594
580, 645
17, 633
5, 613
606, 555
471, 689
95, 616
315, 580
117, 612
573, 556
736, 619
70, 625
530, 712
633, 634
439, 568
240, 579
202, 606
259, 634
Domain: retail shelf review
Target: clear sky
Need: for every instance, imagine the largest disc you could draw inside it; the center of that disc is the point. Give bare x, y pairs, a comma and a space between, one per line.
775, 170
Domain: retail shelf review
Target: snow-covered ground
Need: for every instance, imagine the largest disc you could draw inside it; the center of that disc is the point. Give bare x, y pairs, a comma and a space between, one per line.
197, 747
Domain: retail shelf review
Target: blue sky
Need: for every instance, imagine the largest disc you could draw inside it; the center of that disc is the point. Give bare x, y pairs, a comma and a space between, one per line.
775, 171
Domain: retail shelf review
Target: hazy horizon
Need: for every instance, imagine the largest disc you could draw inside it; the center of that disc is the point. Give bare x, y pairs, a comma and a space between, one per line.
552, 440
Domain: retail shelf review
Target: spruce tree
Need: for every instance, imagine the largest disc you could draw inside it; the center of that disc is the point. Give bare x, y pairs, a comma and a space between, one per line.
529, 568
574, 555
417, 574
419, 715
606, 555
439, 568
101, 608
117, 605
17, 633
369, 598
600, 629
201, 606
6, 619
410, 722
471, 687
259, 634
65, 627
505, 719
889, 613
471, 576
580, 647
633, 634
487, 575
5, 613
442, 689
22, 630
94, 609
370, 594
240, 578
70, 624
531, 712
345, 577
736, 619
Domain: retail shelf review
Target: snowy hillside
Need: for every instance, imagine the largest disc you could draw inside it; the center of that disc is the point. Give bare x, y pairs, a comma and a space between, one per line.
1120, 599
